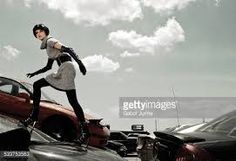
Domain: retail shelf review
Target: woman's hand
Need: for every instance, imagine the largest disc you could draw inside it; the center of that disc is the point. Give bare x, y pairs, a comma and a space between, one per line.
29, 75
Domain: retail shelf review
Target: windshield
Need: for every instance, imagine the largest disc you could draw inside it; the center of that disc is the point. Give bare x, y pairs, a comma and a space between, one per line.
44, 96
225, 125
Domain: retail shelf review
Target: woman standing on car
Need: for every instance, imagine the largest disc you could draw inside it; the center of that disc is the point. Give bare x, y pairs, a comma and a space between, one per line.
63, 81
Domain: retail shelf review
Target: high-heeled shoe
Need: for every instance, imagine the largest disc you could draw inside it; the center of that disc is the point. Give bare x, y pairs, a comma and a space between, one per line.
28, 121
85, 134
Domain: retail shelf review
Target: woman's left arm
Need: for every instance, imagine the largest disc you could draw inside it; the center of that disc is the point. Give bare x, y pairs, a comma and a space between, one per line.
70, 51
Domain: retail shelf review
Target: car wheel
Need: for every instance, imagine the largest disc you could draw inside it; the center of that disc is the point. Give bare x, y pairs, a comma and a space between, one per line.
59, 128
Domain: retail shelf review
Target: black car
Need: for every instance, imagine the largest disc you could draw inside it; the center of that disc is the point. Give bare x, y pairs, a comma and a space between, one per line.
117, 147
17, 143
214, 141
129, 142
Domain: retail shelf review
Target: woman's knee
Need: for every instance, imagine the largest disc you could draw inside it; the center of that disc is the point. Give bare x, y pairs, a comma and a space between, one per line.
39, 83
36, 85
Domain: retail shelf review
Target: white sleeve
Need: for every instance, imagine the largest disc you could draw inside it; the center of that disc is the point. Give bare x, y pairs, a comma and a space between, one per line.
51, 42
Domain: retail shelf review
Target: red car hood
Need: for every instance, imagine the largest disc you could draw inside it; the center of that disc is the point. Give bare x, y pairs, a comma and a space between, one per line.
66, 109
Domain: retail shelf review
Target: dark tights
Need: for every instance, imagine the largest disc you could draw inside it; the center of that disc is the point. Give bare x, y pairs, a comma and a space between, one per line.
71, 95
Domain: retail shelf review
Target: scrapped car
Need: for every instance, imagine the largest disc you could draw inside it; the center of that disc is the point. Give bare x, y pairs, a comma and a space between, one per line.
20, 143
56, 120
129, 142
214, 141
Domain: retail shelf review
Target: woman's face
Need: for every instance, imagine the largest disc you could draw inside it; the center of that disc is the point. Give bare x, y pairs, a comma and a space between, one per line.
40, 34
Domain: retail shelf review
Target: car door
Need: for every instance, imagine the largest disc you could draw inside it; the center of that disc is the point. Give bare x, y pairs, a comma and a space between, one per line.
11, 101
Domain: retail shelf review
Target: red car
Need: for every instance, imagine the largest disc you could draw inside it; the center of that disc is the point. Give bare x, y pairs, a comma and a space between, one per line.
54, 119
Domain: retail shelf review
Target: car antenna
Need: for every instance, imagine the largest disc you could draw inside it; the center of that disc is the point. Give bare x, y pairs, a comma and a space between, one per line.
177, 108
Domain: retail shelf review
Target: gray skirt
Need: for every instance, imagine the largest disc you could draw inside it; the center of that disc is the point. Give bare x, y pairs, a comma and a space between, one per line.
64, 78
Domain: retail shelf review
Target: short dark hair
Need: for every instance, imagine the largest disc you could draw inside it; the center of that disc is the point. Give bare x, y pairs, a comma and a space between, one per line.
40, 27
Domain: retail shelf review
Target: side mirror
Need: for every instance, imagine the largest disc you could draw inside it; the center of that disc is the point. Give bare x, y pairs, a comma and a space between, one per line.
25, 96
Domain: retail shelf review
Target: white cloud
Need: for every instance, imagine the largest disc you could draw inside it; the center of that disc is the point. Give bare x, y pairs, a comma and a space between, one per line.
8, 52
217, 3
99, 63
163, 39
129, 54
166, 5
27, 3
94, 12
129, 70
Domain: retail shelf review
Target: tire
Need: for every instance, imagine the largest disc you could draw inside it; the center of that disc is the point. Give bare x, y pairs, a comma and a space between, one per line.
59, 128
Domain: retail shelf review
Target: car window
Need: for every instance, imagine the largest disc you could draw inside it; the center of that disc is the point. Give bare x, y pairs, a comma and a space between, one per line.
122, 136
224, 125
117, 136
6, 88
9, 87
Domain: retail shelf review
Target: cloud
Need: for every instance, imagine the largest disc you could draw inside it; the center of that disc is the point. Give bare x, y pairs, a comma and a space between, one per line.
166, 5
129, 70
99, 63
94, 12
217, 3
128, 54
27, 3
8, 52
163, 39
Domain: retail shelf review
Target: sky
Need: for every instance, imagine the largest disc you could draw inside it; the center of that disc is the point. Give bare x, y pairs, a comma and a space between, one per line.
131, 48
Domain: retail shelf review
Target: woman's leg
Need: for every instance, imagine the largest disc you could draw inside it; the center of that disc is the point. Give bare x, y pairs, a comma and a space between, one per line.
37, 96
72, 98
71, 95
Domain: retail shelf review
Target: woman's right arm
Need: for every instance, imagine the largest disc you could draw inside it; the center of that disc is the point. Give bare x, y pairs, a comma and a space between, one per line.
44, 69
